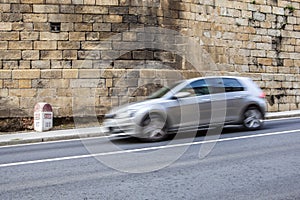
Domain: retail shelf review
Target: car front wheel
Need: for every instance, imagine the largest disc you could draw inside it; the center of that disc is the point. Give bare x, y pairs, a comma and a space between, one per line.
154, 128
252, 119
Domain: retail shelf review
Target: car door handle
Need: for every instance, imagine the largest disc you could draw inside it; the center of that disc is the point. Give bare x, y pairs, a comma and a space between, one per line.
205, 100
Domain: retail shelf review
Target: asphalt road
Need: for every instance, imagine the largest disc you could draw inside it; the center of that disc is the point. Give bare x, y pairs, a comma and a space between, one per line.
262, 164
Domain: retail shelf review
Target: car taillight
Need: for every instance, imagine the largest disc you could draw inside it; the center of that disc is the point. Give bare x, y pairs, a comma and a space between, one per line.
262, 95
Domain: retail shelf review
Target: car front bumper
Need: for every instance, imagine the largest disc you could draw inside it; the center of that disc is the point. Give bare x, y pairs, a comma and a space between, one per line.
120, 125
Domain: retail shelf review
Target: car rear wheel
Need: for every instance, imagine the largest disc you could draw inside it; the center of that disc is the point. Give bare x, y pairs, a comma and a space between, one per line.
154, 128
253, 119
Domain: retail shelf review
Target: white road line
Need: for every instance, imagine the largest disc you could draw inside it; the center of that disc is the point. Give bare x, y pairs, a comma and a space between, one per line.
145, 149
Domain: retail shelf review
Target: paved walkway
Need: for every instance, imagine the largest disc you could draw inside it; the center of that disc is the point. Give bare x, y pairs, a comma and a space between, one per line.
33, 137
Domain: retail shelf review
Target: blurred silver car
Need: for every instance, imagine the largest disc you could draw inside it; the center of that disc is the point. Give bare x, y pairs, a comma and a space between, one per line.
189, 105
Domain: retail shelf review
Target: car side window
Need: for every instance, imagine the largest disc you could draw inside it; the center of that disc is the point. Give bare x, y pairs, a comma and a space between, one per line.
232, 85
200, 87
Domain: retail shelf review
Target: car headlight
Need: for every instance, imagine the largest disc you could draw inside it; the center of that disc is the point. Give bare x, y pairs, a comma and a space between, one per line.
127, 113
131, 113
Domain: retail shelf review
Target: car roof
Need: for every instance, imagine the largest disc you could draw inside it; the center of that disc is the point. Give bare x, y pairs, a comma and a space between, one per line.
208, 77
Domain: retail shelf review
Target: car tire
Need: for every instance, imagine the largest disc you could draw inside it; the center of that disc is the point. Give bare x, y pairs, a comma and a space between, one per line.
154, 128
252, 119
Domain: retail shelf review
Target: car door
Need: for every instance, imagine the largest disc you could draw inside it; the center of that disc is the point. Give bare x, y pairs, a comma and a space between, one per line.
184, 111
218, 103
195, 110
235, 94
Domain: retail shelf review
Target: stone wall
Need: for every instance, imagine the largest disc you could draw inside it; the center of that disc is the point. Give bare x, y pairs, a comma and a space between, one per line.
82, 56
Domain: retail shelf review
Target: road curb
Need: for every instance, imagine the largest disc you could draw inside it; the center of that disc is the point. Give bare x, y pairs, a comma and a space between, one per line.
57, 135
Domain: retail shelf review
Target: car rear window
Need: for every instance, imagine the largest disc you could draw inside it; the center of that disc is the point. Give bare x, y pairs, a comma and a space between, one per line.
232, 85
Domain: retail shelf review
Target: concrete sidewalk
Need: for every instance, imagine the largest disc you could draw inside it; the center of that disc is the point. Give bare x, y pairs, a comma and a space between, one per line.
34, 137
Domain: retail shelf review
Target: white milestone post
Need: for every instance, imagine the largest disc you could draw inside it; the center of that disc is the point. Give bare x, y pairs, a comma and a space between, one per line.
43, 117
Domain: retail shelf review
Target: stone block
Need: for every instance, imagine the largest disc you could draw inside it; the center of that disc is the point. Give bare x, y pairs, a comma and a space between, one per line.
54, 36
148, 73
4, 92
5, 7
21, 26
93, 36
107, 2
3, 45
283, 107
77, 36
67, 27
25, 45
87, 83
89, 55
59, 2
67, 9
22, 92
79, 27
129, 64
265, 61
88, 18
70, 73
33, 1
30, 55
67, 45
51, 74
67, 18
102, 27
143, 55
91, 45
110, 55
48, 55
26, 74
45, 45
29, 36
46, 8
112, 18
91, 9
89, 2
89, 73
82, 64
6, 36
10, 64
121, 10
35, 18
109, 83
265, 8
258, 16
10, 84
40, 64
69, 54
25, 83
24, 64
46, 92
129, 36
12, 17
277, 10
5, 26
59, 83
5, 74
64, 92
41, 27
10, 54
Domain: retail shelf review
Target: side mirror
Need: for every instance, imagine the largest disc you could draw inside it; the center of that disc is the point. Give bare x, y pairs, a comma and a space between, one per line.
180, 95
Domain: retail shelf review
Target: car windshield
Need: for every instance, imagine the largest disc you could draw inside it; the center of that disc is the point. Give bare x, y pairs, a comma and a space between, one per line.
162, 91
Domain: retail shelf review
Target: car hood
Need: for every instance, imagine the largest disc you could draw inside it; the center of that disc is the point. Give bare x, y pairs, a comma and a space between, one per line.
137, 105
